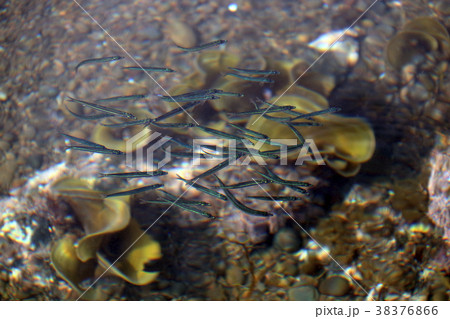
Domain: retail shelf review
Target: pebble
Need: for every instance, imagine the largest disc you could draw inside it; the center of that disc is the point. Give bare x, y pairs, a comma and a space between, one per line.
3, 96
334, 286
303, 293
4, 146
234, 276
181, 33
48, 91
287, 240
152, 32
58, 67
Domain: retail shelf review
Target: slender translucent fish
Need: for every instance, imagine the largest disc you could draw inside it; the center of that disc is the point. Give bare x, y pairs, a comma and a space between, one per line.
230, 94
278, 119
135, 191
189, 208
148, 69
203, 46
241, 151
98, 60
122, 98
305, 124
203, 189
199, 93
194, 98
176, 111
213, 170
146, 121
89, 117
253, 71
248, 131
294, 185
175, 125
288, 149
245, 184
103, 109
82, 141
95, 150
181, 143
134, 174
239, 205
276, 178
326, 111
193, 155
184, 201
289, 109
250, 78
218, 133
277, 198
208, 92
298, 189
297, 133
285, 120
261, 111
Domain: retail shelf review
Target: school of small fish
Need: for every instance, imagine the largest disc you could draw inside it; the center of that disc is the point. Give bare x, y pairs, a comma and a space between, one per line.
242, 137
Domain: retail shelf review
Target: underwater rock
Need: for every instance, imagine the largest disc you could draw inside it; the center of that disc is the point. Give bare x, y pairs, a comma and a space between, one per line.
418, 37
439, 190
71, 269
303, 293
181, 33
407, 46
343, 142
234, 275
130, 266
287, 240
334, 286
110, 236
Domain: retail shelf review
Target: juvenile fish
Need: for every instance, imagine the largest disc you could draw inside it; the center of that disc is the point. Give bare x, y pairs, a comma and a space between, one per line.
253, 71
245, 184
254, 134
82, 141
135, 191
174, 125
148, 68
193, 98
189, 208
184, 201
230, 94
134, 174
239, 205
103, 109
218, 133
166, 202
214, 169
203, 189
261, 111
277, 198
98, 60
297, 133
89, 117
250, 78
146, 121
294, 185
92, 149
199, 93
176, 111
122, 98
203, 46
329, 110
